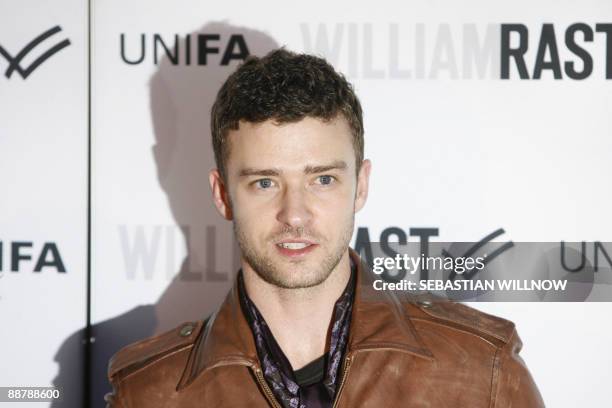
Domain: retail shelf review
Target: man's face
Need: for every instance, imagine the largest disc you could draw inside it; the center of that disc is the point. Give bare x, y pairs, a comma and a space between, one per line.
293, 193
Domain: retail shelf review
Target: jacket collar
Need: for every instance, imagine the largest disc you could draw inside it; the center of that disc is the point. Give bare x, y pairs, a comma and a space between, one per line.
378, 322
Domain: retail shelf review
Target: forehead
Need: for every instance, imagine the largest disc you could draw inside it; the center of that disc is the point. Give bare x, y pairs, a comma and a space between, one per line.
290, 146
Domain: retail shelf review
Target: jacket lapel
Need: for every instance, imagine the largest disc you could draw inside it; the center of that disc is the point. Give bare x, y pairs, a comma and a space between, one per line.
226, 339
378, 321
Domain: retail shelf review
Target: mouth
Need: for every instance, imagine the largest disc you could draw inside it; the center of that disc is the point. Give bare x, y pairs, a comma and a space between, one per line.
295, 248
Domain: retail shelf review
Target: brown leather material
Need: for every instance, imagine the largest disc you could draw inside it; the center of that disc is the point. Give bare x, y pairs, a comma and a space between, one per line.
144, 351
227, 339
402, 351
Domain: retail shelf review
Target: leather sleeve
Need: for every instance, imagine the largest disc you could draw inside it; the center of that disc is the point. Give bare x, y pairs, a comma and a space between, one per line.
512, 383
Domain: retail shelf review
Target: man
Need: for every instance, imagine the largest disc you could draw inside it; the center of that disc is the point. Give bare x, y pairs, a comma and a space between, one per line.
302, 326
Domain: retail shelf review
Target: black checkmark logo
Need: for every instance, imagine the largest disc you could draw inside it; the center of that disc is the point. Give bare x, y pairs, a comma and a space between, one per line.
14, 62
478, 245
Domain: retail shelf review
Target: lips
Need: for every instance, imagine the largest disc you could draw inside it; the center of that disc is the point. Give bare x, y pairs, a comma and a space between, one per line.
293, 248
293, 245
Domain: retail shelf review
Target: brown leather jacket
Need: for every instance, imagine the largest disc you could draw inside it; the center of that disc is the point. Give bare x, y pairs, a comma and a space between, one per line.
402, 352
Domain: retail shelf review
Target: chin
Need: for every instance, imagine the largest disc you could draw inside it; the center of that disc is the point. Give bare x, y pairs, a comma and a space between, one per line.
297, 277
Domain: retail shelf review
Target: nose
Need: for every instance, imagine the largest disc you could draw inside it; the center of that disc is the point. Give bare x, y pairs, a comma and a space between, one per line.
294, 208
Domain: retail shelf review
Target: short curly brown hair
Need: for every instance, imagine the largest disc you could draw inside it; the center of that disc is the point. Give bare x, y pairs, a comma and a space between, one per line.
286, 87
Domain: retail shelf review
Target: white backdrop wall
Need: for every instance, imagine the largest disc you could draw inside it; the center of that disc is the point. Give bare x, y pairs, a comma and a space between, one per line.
454, 147
43, 198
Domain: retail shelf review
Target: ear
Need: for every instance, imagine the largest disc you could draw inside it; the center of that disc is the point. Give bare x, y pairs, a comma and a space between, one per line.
363, 182
220, 194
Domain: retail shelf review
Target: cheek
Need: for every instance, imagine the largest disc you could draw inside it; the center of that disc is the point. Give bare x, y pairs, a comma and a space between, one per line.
253, 223
246, 205
333, 212
346, 197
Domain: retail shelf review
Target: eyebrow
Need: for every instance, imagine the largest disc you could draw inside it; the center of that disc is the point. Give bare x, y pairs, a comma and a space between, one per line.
308, 169
336, 165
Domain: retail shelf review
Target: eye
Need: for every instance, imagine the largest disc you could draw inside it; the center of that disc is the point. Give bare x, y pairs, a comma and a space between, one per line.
264, 184
326, 179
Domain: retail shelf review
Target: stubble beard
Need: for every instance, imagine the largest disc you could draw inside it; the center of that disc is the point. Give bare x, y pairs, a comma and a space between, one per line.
298, 274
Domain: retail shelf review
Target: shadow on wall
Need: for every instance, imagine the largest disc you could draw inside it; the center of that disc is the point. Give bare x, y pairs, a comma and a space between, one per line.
181, 98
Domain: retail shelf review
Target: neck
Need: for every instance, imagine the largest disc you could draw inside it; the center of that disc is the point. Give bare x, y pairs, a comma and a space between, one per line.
298, 318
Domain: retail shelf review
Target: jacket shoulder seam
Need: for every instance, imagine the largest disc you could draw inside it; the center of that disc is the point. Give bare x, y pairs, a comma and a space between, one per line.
147, 351
129, 371
493, 341
460, 316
